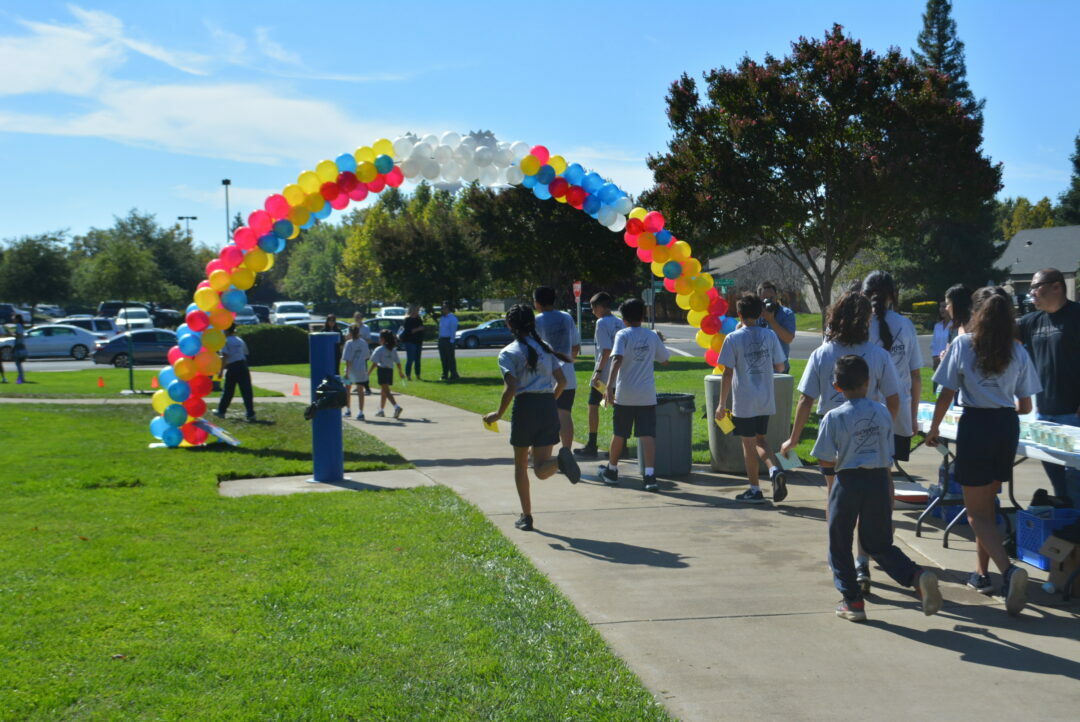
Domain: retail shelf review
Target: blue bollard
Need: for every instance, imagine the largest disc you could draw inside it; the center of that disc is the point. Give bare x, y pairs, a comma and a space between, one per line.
327, 448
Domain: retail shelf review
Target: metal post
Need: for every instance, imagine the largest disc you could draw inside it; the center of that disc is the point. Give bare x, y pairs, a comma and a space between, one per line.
228, 233
327, 448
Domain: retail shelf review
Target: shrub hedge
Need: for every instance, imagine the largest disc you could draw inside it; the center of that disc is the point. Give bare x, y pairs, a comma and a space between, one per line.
270, 344
927, 307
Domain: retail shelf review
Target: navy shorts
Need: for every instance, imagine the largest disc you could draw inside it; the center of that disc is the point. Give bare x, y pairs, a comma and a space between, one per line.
750, 426
594, 396
534, 420
901, 447
385, 376
566, 399
637, 420
986, 445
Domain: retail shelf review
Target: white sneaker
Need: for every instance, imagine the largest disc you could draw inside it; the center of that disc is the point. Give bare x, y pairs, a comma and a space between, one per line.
347, 413
397, 412
359, 415
380, 412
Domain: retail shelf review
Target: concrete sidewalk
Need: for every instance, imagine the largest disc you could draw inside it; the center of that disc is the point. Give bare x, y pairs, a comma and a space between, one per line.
726, 611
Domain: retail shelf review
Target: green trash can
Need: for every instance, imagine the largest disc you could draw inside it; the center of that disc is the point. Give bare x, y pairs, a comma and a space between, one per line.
674, 434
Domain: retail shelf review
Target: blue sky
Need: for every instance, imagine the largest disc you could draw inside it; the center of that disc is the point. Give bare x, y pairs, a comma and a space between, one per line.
106, 106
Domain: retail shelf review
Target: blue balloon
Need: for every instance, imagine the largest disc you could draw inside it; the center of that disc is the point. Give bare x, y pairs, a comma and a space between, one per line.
609, 193
323, 212
384, 164
159, 426
729, 324
234, 300
172, 437
574, 174
191, 307
189, 344
270, 242
346, 163
591, 205
540, 190
283, 228
179, 391
166, 376
545, 175
663, 237
182, 329
592, 183
672, 269
308, 223
529, 181
175, 415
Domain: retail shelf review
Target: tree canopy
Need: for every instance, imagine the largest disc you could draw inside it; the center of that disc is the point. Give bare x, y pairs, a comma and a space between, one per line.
1068, 211
36, 269
941, 49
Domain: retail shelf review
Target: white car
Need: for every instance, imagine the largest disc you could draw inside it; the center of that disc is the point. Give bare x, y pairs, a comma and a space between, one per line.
94, 324
50, 311
53, 340
397, 312
133, 317
289, 311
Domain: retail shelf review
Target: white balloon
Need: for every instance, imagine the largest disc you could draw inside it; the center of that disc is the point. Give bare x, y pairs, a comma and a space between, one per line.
410, 167
489, 175
469, 172
483, 156
402, 147
619, 224
503, 156
431, 139
623, 206
421, 151
514, 175
451, 139
464, 153
519, 150
470, 142
451, 171
606, 215
443, 154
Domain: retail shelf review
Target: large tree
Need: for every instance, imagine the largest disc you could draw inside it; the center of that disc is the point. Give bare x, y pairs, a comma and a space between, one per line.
36, 269
313, 264
123, 270
1068, 210
818, 155
1026, 215
941, 49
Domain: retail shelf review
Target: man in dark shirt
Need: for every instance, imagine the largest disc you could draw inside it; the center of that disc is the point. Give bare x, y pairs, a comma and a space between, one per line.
1051, 334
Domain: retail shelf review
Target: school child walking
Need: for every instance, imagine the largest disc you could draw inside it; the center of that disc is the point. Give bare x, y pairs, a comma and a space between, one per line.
533, 380
855, 442
993, 378
750, 355
558, 330
632, 391
354, 357
607, 325
384, 359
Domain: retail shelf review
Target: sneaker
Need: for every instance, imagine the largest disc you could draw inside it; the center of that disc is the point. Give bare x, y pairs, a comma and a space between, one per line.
347, 413
608, 475
751, 497
219, 414
1015, 588
250, 418
569, 466
587, 452
981, 583
380, 412
650, 484
779, 487
926, 587
862, 577
853, 610
360, 416
524, 522
397, 412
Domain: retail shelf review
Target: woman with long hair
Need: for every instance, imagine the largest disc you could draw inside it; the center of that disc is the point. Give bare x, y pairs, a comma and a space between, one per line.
896, 334
532, 381
994, 379
412, 338
958, 306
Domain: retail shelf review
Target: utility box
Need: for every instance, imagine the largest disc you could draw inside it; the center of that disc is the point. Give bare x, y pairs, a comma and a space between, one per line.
674, 435
726, 449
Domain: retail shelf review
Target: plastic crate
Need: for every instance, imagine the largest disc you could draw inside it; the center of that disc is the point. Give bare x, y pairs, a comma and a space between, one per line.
1033, 530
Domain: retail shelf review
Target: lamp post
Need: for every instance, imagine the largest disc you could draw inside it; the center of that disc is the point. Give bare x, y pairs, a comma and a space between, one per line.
187, 223
226, 182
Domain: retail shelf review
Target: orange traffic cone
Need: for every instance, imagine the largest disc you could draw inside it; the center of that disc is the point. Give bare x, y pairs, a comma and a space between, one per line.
296, 389
154, 382
100, 382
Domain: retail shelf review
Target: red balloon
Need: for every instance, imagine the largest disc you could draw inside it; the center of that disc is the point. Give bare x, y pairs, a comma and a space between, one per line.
710, 324
260, 222
635, 226
395, 177
197, 320
195, 406
329, 191
377, 185
200, 386
277, 206
559, 187
712, 293
174, 354
193, 434
215, 265
204, 284
654, 221
712, 357
359, 193
575, 196
245, 238
644, 255
542, 154
717, 307
631, 239
340, 202
347, 181
669, 285
231, 257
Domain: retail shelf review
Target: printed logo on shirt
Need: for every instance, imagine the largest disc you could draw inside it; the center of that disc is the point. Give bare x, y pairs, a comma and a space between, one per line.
989, 383
641, 350
898, 350
867, 435
757, 353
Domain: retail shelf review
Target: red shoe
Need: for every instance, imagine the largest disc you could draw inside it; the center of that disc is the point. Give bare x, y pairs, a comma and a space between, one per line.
852, 610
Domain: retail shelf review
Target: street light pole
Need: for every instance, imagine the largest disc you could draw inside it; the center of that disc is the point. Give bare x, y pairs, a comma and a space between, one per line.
226, 182
187, 223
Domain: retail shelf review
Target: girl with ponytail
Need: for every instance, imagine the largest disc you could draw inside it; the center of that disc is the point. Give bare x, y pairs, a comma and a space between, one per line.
896, 334
994, 379
532, 380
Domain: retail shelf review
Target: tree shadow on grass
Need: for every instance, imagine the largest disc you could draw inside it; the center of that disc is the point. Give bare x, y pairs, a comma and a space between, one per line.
292, 455
616, 552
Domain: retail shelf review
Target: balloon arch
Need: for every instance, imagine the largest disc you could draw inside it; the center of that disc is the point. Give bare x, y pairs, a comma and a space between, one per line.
333, 184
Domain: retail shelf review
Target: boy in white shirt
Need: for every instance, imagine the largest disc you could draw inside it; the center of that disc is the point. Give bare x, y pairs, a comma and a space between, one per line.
558, 330
632, 391
354, 356
607, 325
750, 355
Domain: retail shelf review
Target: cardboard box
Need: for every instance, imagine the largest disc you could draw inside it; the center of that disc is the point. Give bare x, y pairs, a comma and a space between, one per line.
1064, 559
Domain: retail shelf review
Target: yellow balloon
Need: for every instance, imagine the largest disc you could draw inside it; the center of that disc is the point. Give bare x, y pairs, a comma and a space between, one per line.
703, 282
383, 147
691, 267
638, 213
327, 171
294, 194
647, 241
309, 182
220, 281
694, 317
699, 301
213, 339
560, 199
295, 232
221, 319
184, 368
530, 164
683, 286
718, 341
558, 163
679, 251
243, 278
365, 154
269, 261
704, 340
366, 172
160, 400
660, 254
255, 259
657, 267
314, 202
299, 215
207, 299
719, 370
682, 301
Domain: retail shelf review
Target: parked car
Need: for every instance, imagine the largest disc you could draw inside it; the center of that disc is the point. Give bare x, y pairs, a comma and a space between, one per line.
133, 317
246, 317
261, 312
284, 311
93, 324
50, 311
378, 323
53, 340
109, 309
490, 333
167, 318
391, 312
150, 347
304, 323
8, 311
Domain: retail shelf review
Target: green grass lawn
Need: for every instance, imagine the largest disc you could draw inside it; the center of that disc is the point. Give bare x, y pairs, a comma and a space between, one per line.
130, 589
84, 384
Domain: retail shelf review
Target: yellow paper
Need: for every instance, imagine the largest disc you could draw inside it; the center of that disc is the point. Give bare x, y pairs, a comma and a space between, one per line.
493, 426
726, 424
600, 386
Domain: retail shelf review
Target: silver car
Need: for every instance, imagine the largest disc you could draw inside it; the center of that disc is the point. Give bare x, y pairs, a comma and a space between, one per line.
246, 317
56, 340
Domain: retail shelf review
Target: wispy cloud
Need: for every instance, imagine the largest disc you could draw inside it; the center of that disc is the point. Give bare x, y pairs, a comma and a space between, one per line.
625, 169
110, 28
274, 50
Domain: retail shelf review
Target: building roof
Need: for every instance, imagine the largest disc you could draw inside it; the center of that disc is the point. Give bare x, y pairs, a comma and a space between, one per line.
1037, 248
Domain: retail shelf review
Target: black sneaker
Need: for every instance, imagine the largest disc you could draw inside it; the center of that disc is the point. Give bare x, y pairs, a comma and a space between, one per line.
751, 496
649, 483
569, 466
524, 522
779, 487
608, 475
862, 577
1015, 589
981, 583
587, 452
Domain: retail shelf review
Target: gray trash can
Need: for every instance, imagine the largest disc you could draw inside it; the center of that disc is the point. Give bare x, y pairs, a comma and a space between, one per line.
726, 449
674, 432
